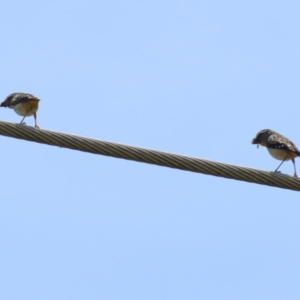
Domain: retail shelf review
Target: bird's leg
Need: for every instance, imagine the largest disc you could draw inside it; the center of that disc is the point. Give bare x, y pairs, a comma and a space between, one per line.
35, 123
295, 174
279, 166
23, 120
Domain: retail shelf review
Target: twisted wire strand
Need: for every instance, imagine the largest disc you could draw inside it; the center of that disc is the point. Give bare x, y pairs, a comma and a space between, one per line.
148, 156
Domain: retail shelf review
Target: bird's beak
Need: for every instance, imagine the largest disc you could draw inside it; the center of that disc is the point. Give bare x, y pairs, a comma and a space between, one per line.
254, 141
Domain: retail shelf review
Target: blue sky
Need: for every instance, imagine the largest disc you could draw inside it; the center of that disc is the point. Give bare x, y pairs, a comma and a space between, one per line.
197, 78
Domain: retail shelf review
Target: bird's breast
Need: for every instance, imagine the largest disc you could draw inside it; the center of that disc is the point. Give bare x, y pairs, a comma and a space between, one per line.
27, 108
281, 154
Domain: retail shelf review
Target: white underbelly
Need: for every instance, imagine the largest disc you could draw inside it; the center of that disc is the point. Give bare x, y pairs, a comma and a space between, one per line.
24, 110
278, 154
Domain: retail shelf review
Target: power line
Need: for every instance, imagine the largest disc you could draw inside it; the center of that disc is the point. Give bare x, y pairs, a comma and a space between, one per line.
149, 156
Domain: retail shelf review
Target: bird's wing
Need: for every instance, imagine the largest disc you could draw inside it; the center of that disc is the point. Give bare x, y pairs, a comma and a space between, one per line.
281, 142
21, 98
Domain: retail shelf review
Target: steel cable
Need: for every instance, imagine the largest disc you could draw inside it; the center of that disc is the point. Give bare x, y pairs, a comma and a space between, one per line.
148, 156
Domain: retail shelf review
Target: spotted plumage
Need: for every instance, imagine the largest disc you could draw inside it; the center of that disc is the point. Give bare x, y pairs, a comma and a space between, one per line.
23, 104
279, 146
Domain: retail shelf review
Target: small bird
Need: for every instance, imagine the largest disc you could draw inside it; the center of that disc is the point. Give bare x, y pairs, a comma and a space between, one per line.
278, 146
23, 104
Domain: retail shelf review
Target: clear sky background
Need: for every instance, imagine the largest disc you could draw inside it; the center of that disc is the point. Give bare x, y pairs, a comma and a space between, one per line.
198, 78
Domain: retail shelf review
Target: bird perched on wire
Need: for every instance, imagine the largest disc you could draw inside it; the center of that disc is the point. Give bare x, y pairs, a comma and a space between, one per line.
23, 104
278, 146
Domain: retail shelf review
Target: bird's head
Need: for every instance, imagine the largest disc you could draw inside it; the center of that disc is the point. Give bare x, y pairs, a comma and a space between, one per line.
262, 136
